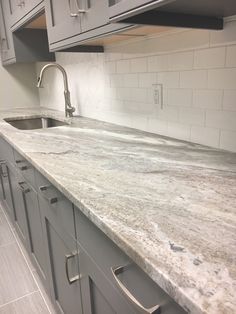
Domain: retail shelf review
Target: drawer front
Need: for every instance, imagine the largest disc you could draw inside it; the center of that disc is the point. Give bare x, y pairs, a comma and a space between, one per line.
25, 168
54, 204
6, 151
120, 270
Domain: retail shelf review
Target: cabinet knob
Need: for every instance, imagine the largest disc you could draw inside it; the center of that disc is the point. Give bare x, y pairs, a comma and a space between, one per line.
121, 269
51, 200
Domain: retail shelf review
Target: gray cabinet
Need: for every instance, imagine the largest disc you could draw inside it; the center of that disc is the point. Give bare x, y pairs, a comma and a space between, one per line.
61, 247
22, 11
122, 9
23, 45
6, 176
74, 22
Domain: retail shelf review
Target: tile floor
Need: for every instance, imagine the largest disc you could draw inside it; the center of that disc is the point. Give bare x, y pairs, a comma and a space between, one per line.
21, 291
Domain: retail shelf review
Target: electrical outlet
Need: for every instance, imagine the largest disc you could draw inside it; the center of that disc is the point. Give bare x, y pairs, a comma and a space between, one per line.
158, 95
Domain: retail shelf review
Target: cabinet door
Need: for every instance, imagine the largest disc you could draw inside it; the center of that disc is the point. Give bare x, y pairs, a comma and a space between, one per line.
95, 14
62, 259
63, 19
19, 189
98, 294
20, 8
7, 46
34, 222
7, 187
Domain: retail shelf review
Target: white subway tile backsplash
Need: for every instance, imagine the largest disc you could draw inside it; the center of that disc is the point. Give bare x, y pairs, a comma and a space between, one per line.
209, 58
168, 79
123, 66
180, 61
206, 98
225, 120
222, 78
180, 97
193, 116
193, 79
147, 79
197, 69
158, 63
130, 80
229, 100
231, 56
228, 140
138, 65
179, 130
205, 136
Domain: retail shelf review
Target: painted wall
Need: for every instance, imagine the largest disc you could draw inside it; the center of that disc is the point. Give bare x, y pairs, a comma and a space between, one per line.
196, 67
17, 86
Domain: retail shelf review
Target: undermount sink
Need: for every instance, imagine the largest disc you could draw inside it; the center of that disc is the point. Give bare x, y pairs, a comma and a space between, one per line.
35, 123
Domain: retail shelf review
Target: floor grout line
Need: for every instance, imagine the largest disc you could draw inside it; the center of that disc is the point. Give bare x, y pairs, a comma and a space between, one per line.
17, 299
27, 263
6, 244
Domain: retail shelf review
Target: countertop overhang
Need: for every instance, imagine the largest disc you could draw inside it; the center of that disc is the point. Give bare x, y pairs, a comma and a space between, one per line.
169, 205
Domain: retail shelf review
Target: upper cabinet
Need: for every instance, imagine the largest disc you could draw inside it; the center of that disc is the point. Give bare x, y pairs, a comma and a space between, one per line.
23, 10
72, 22
24, 44
206, 14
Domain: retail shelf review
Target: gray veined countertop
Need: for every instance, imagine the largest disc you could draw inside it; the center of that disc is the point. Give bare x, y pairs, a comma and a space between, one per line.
170, 205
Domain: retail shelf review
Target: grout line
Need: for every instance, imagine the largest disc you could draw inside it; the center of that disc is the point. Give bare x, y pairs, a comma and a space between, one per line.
27, 263
17, 299
6, 244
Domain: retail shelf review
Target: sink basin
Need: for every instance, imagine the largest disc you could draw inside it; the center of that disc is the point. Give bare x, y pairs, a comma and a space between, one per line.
35, 123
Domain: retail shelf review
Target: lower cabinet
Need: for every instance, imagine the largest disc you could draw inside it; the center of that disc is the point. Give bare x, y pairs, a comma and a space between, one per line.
61, 248
83, 271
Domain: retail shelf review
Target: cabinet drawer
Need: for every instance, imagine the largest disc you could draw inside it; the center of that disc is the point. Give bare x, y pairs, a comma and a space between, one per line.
25, 168
119, 269
54, 204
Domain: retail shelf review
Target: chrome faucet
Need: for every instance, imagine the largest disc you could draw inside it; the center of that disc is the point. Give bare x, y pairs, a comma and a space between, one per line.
69, 109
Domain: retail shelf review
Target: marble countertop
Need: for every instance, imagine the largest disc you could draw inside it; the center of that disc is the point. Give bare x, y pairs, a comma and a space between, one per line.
170, 205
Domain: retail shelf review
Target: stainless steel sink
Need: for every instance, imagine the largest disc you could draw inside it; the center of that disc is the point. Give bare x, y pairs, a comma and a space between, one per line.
35, 123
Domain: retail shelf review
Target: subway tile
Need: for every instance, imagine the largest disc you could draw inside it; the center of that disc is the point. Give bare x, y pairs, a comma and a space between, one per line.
180, 97
193, 116
123, 93
205, 136
147, 79
110, 67
138, 94
229, 100
130, 80
222, 78
228, 140
221, 119
168, 79
138, 65
209, 58
205, 98
231, 56
123, 66
158, 63
179, 131
180, 61
193, 79
117, 80
168, 113
157, 126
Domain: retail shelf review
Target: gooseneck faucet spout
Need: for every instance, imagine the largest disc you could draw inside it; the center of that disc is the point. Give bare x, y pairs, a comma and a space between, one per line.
69, 109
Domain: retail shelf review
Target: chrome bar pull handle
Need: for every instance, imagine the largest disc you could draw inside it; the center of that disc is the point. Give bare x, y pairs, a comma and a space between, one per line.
67, 258
23, 188
2, 164
75, 14
51, 200
119, 270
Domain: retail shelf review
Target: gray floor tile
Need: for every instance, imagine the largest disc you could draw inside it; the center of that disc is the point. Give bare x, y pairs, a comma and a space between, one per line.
31, 304
6, 235
15, 277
